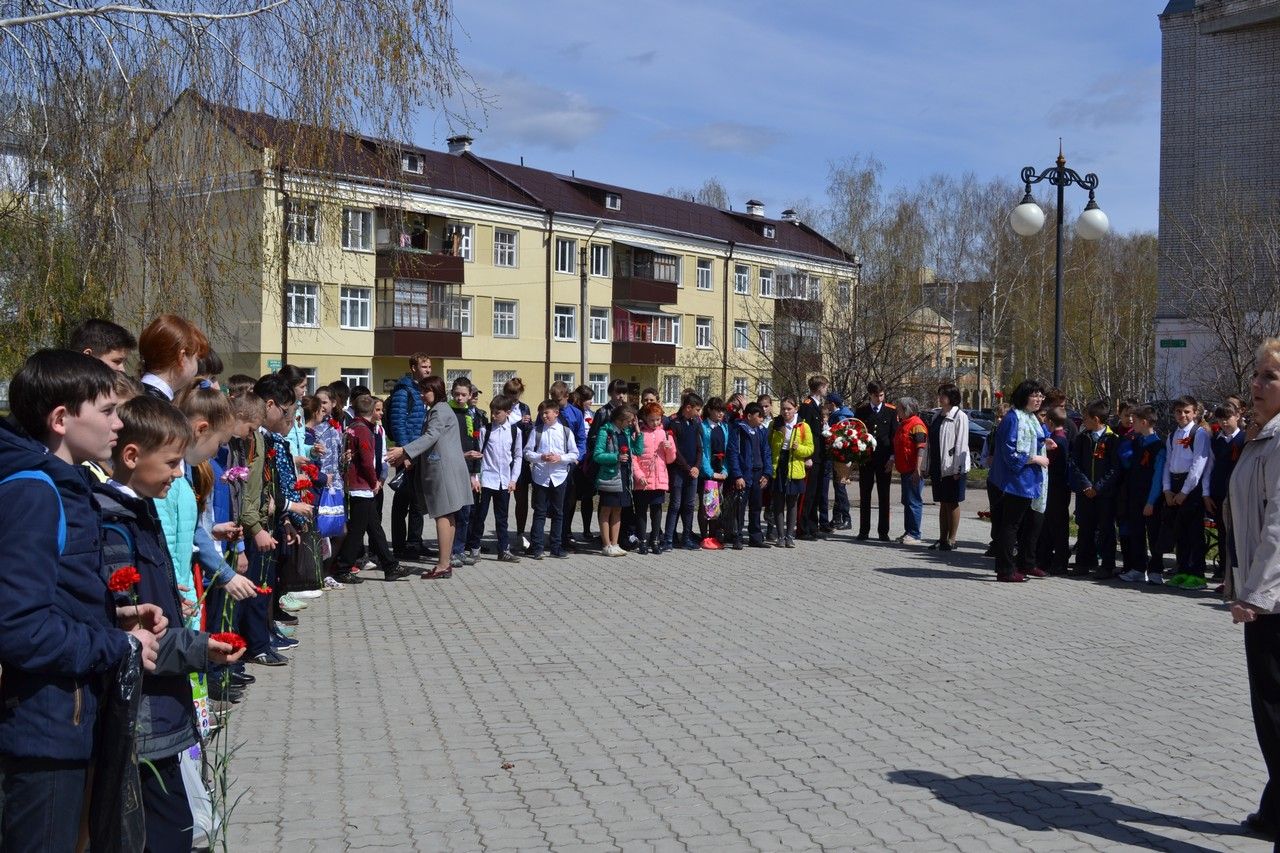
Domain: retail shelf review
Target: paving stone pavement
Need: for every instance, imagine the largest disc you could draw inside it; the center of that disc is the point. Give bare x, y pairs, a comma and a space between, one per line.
839, 696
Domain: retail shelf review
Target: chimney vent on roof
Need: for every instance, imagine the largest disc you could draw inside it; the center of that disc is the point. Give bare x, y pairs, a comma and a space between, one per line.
458, 144
789, 215
755, 208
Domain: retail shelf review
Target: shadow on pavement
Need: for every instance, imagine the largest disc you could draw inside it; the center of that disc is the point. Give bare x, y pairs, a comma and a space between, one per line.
1042, 805
923, 572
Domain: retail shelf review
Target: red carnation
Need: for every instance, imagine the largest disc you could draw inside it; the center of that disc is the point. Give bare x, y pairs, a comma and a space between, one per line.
231, 638
122, 579
308, 498
302, 483
999, 395
271, 454
264, 590
311, 470
333, 422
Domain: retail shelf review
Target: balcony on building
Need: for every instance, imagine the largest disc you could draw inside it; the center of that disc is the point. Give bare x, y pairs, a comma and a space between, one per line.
641, 337
419, 272
643, 275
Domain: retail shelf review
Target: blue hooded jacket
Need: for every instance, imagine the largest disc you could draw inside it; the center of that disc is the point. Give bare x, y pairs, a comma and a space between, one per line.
405, 412
57, 620
749, 454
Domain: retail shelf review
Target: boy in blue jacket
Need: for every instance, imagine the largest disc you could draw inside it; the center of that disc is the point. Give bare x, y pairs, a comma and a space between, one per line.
1142, 499
146, 460
1096, 476
750, 467
59, 639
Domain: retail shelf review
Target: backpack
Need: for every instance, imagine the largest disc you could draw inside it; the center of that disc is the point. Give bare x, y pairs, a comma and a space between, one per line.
62, 513
515, 439
541, 428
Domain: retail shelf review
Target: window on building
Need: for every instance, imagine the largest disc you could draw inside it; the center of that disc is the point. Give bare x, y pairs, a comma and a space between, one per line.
566, 323
570, 379
354, 307
505, 312
741, 339
844, 291
677, 330
768, 231
664, 329
671, 390
766, 339
303, 222
411, 304
786, 285
600, 326
702, 385
461, 318
740, 385
600, 260
501, 378
411, 163
702, 333
312, 381
764, 388
666, 267
354, 376
451, 375
464, 232
704, 273
766, 282
357, 229
304, 304
599, 385
504, 247
814, 290
741, 278
613, 201
566, 255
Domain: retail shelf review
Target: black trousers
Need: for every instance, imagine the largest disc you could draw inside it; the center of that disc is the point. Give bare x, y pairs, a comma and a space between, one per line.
750, 503
1140, 547
807, 518
1018, 527
1187, 528
646, 513
363, 517
1053, 547
869, 477
1096, 546
1262, 660
406, 520
164, 801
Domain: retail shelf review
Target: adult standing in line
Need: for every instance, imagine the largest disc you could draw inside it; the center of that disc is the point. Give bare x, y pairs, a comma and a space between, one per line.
1019, 468
949, 464
405, 413
1253, 584
810, 412
911, 458
882, 422
444, 485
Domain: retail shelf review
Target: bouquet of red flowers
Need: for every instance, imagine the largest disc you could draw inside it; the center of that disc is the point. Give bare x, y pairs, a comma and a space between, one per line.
849, 442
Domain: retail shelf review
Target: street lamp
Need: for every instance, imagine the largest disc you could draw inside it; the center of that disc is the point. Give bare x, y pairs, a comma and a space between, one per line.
1028, 218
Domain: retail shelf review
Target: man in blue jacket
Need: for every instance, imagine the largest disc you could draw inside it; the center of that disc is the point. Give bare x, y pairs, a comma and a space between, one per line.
750, 467
59, 639
405, 415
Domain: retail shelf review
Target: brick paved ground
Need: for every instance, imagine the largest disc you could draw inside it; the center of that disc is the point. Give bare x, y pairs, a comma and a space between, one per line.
840, 696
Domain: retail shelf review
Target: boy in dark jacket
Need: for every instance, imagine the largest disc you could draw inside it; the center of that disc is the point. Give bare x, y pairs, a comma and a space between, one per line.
59, 640
685, 431
471, 421
1142, 499
1053, 546
147, 458
1096, 476
750, 467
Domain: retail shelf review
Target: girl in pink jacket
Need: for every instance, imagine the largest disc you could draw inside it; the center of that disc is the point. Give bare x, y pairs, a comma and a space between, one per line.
649, 478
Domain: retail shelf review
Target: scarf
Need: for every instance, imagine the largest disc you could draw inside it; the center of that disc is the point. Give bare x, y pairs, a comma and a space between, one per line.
1030, 436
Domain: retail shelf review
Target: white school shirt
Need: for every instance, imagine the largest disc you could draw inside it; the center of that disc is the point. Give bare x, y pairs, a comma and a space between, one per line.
498, 467
1186, 460
556, 438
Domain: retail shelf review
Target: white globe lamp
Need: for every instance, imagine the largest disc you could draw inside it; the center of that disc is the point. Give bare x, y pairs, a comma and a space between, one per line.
1027, 218
1093, 223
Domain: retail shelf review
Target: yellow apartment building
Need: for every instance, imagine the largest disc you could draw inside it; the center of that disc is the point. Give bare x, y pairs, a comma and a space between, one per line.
386, 249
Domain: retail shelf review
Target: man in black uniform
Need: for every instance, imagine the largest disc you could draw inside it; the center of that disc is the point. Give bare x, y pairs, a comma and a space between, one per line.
882, 422
811, 413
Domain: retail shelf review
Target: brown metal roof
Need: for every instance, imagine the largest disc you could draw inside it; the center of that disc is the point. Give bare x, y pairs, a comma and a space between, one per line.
466, 175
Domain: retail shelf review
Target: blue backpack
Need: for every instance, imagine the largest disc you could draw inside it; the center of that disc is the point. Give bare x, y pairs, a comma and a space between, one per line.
62, 513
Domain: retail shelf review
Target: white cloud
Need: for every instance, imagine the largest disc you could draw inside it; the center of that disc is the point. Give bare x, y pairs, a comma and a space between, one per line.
526, 112
731, 136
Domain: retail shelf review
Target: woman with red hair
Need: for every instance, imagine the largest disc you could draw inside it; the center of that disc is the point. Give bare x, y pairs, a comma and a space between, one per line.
170, 348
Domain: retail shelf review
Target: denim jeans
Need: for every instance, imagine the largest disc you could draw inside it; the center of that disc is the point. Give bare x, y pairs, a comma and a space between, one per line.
501, 499
253, 616
684, 500
462, 522
40, 802
912, 503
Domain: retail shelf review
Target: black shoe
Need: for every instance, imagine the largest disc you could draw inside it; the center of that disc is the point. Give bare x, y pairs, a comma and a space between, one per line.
757, 545
395, 573
862, 537
845, 524
240, 679
346, 578
826, 528
225, 694
284, 618
1256, 824
737, 544
643, 549
408, 555
884, 537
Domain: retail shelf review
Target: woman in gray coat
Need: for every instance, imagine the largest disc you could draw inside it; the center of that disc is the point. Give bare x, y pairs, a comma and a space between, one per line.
1253, 586
444, 486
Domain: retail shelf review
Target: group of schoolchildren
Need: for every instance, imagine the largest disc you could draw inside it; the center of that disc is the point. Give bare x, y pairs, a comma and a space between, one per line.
1152, 495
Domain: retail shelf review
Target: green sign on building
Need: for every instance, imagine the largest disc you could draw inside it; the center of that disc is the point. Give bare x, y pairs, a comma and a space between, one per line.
275, 363
1173, 343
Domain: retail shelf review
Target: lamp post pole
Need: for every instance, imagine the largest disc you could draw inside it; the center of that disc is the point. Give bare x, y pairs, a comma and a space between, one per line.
1027, 219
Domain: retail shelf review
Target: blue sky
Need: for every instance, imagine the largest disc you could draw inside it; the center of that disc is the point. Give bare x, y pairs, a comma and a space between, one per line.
765, 95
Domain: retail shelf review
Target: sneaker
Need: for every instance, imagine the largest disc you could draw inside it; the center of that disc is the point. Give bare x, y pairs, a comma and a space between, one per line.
508, 557
333, 583
534, 555
1133, 576
612, 551
290, 604
692, 545
281, 643
368, 566
307, 593
1178, 579
348, 578
1194, 582
396, 572
1155, 578
468, 558
270, 658
788, 542
910, 540
710, 544
285, 630
455, 561
619, 551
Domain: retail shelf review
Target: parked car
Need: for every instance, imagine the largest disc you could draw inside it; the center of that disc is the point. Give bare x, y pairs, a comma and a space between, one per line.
978, 431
